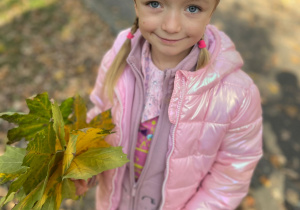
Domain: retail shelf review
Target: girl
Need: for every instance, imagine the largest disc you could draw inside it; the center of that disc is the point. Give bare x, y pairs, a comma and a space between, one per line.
186, 114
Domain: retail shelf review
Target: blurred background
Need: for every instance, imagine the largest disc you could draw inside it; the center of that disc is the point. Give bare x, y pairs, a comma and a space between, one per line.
57, 45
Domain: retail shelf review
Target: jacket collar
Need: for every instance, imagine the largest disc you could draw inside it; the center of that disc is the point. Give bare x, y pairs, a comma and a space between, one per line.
134, 57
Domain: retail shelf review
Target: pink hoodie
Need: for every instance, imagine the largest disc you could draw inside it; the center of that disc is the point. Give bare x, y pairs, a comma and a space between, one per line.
216, 134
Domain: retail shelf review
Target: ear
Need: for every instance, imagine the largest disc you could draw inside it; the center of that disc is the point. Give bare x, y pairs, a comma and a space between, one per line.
136, 10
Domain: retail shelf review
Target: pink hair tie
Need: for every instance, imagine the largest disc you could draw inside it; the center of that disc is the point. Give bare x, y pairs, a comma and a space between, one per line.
130, 35
201, 44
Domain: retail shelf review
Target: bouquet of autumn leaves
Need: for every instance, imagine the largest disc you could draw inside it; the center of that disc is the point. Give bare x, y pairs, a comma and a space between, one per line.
61, 147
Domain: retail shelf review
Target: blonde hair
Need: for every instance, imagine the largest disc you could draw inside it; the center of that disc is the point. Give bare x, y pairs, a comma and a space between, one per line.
118, 65
204, 56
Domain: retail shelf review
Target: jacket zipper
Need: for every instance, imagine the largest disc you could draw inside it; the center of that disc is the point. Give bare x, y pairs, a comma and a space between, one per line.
132, 148
144, 171
173, 142
133, 192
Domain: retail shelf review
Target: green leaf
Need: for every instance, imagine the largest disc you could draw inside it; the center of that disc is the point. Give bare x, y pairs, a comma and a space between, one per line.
11, 164
79, 116
40, 106
66, 109
36, 121
20, 194
37, 193
53, 186
10, 113
58, 124
16, 185
103, 121
49, 204
28, 202
61, 146
95, 161
4, 200
69, 190
40, 152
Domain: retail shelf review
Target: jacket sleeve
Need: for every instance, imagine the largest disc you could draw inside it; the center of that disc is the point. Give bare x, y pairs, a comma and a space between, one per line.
228, 181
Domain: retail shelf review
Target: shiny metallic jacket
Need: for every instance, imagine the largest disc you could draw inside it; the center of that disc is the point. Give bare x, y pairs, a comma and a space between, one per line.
216, 138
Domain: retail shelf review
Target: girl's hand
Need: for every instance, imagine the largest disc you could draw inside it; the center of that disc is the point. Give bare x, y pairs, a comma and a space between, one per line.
92, 182
82, 186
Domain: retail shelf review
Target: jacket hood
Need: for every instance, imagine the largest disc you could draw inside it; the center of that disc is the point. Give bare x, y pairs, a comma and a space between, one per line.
224, 59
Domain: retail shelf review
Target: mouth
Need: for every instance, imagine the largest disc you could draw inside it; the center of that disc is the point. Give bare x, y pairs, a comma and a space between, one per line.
169, 41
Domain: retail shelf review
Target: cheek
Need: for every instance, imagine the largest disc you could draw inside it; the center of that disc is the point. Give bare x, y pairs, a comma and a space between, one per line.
147, 25
195, 31
143, 23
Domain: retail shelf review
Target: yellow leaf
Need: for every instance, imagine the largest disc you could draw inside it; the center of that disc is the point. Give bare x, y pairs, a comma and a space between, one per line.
79, 115
58, 145
265, 181
249, 201
59, 75
295, 59
28, 202
90, 138
7, 177
103, 121
61, 147
69, 153
53, 188
94, 161
273, 88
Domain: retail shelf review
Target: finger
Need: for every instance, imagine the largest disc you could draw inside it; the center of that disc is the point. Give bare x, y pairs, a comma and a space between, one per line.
92, 181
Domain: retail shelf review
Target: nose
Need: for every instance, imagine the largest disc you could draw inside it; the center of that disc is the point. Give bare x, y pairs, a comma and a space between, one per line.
171, 23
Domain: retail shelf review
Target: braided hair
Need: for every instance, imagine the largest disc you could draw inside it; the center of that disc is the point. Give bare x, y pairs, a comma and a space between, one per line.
117, 67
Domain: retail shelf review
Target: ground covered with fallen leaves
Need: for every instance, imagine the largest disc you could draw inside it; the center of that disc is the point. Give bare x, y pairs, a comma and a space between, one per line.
55, 46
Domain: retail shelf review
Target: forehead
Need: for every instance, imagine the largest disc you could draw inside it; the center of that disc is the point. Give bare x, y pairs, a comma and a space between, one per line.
184, 1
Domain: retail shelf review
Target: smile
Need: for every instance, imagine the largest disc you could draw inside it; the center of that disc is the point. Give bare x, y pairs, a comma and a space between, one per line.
169, 41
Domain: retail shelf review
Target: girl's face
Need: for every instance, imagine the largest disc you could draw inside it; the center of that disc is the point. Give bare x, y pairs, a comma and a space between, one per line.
172, 27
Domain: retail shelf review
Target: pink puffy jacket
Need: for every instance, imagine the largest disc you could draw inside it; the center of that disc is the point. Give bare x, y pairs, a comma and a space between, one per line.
217, 131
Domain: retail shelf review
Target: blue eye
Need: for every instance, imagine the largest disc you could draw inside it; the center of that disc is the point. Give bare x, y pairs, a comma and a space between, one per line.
154, 4
193, 9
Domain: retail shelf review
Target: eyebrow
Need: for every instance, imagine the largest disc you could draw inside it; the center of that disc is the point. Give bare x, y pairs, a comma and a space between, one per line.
189, 1
205, 1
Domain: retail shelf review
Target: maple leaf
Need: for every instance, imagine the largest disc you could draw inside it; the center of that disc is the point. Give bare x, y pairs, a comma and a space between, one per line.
93, 161
59, 124
61, 146
79, 114
11, 162
36, 121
